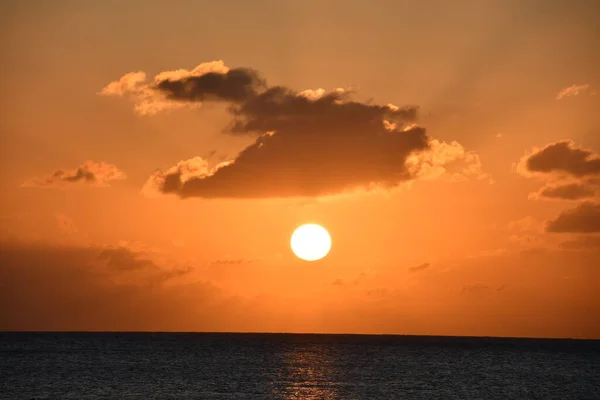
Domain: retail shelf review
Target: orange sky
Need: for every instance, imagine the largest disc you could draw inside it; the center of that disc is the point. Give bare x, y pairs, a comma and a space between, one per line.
156, 159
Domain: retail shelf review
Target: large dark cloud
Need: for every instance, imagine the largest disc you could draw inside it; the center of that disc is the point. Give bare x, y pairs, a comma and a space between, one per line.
333, 114
309, 143
288, 166
584, 218
564, 157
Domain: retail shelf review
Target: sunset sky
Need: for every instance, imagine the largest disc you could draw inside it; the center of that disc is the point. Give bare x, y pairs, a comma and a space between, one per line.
157, 156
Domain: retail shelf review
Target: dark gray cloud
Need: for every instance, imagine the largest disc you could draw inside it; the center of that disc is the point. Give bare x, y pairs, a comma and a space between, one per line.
281, 109
309, 143
571, 173
584, 218
570, 191
235, 85
289, 166
564, 157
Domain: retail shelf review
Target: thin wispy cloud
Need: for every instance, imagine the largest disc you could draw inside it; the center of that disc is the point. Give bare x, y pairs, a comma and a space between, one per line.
575, 90
90, 173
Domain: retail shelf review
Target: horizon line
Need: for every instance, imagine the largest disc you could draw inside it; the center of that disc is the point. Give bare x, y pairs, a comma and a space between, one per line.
303, 333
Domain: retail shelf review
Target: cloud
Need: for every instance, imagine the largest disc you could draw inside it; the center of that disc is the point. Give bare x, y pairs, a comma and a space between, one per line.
357, 279
491, 295
419, 267
584, 218
74, 288
525, 224
231, 262
124, 85
332, 114
90, 173
278, 166
308, 143
149, 98
450, 160
569, 191
123, 259
582, 242
527, 234
574, 90
570, 172
562, 157
90, 288
138, 266
170, 180
235, 85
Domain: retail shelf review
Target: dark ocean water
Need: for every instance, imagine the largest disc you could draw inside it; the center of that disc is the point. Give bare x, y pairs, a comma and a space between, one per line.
282, 366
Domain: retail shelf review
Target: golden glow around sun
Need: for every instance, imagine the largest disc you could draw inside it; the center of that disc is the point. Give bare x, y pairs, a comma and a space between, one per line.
310, 242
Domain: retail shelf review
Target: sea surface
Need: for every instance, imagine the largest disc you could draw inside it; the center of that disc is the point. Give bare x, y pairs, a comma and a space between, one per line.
293, 366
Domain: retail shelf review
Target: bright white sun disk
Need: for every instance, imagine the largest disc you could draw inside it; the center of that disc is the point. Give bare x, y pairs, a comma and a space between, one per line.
310, 242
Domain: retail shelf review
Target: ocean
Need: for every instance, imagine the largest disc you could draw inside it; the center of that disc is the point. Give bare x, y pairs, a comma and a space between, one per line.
293, 366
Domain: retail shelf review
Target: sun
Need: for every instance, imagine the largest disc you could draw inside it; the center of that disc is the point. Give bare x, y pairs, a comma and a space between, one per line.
310, 242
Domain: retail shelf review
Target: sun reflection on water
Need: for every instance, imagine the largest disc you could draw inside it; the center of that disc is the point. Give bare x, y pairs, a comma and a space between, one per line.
307, 374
